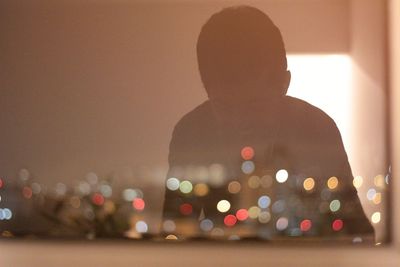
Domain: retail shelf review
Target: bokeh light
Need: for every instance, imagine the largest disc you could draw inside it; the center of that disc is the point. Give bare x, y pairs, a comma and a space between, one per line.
7, 214
201, 190
379, 181
254, 182
172, 183
248, 167
264, 202
234, 187
186, 209
309, 184
36, 188
253, 212
185, 187
27, 192
171, 237
206, 225
282, 223
334, 206
129, 194
264, 217
230, 220
84, 188
98, 199
242, 214
376, 217
358, 181
109, 207
377, 198
92, 178
75, 202
138, 204
305, 225
282, 176
223, 205
141, 227
247, 153
333, 183
169, 226
106, 190
24, 175
337, 225
371, 193
266, 181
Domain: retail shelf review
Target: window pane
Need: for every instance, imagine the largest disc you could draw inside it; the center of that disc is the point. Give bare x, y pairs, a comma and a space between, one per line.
170, 120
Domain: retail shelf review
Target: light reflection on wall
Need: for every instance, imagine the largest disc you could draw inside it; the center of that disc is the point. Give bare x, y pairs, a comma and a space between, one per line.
325, 82
333, 83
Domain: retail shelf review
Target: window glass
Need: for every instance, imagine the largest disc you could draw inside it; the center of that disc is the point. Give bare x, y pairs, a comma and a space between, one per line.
184, 121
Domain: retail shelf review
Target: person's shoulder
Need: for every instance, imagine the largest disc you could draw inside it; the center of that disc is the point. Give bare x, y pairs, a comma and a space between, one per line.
308, 115
196, 117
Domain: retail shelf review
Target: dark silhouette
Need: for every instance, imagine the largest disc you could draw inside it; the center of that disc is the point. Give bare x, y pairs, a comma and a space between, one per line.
242, 62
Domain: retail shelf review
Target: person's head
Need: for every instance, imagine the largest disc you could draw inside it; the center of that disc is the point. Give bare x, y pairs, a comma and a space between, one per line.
241, 56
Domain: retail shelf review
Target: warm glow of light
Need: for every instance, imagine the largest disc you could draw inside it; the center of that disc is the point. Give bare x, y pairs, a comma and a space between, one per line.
379, 181
324, 81
357, 181
333, 183
171, 237
309, 184
223, 205
234, 187
376, 217
201, 190
377, 198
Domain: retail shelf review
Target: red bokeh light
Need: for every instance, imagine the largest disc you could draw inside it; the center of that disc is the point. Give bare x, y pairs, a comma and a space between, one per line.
98, 199
247, 153
337, 225
138, 204
305, 225
1, 183
186, 209
27, 192
230, 220
242, 214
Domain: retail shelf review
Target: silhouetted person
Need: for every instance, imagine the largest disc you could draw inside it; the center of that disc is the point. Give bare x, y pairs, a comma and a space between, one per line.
247, 132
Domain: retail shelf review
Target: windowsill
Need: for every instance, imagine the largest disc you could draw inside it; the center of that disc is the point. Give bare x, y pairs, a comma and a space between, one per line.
105, 253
